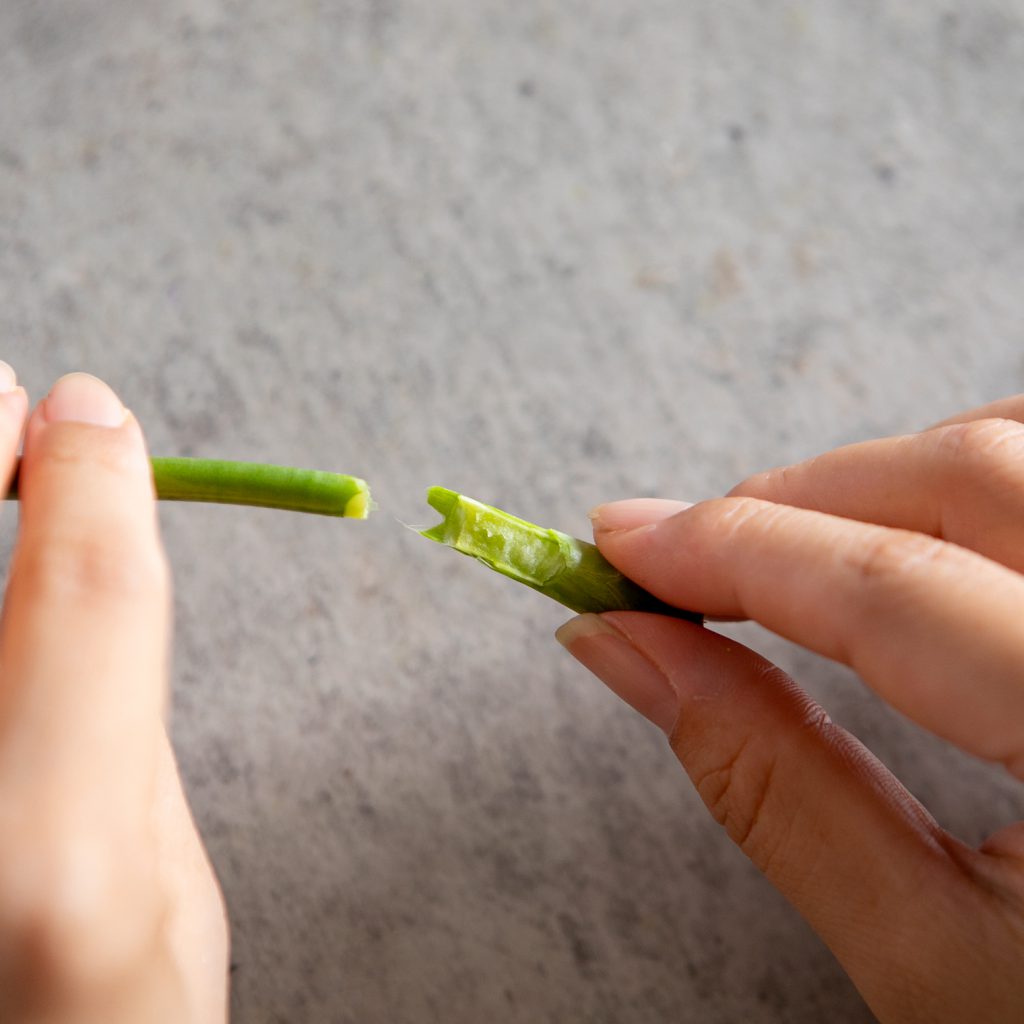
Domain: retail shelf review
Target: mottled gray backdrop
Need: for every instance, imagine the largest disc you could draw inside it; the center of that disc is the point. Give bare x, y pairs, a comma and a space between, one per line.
547, 253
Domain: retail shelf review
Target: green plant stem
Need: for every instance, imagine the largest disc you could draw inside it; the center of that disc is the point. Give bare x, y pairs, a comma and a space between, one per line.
255, 483
570, 571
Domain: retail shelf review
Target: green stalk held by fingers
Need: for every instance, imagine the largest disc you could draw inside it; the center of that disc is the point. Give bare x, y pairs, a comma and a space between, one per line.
570, 571
254, 483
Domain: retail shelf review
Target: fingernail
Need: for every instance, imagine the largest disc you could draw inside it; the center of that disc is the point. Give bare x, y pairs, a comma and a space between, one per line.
8, 378
634, 513
82, 398
611, 656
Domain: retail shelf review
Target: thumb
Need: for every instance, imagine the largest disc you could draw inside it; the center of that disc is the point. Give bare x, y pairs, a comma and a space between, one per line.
828, 825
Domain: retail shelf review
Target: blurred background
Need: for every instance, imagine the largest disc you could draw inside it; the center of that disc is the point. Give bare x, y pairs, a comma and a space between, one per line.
546, 253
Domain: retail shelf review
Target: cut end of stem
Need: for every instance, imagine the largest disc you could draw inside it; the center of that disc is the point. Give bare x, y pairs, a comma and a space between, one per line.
360, 505
566, 569
511, 546
262, 485
252, 483
442, 500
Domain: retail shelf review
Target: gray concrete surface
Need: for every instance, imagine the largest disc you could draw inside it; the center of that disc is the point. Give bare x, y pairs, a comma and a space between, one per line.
549, 254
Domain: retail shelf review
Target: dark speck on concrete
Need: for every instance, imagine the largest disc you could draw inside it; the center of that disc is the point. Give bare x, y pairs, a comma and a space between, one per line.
886, 173
771, 993
596, 444
582, 951
11, 160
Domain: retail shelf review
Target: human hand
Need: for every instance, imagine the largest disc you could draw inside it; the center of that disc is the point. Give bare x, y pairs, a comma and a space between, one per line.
109, 909
902, 558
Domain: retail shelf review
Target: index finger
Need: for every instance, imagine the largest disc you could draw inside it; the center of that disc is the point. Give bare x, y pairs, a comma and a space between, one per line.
934, 628
83, 640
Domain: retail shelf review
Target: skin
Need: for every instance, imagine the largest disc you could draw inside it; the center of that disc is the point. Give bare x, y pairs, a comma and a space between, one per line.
903, 559
900, 557
109, 909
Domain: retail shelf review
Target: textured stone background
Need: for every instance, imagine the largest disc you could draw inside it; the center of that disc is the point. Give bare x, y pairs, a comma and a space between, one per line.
547, 253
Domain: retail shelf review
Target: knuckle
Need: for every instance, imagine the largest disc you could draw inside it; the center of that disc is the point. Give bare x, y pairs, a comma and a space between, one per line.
789, 477
93, 567
895, 554
736, 515
984, 445
738, 790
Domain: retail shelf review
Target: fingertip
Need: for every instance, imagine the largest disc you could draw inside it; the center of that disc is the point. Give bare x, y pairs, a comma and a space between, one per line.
85, 415
13, 397
82, 398
599, 644
698, 662
578, 628
14, 406
72, 464
13, 412
634, 513
8, 378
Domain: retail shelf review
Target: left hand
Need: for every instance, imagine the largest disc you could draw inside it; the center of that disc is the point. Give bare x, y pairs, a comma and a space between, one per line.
109, 908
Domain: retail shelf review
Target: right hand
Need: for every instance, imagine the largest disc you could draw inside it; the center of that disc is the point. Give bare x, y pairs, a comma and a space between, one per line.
902, 558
